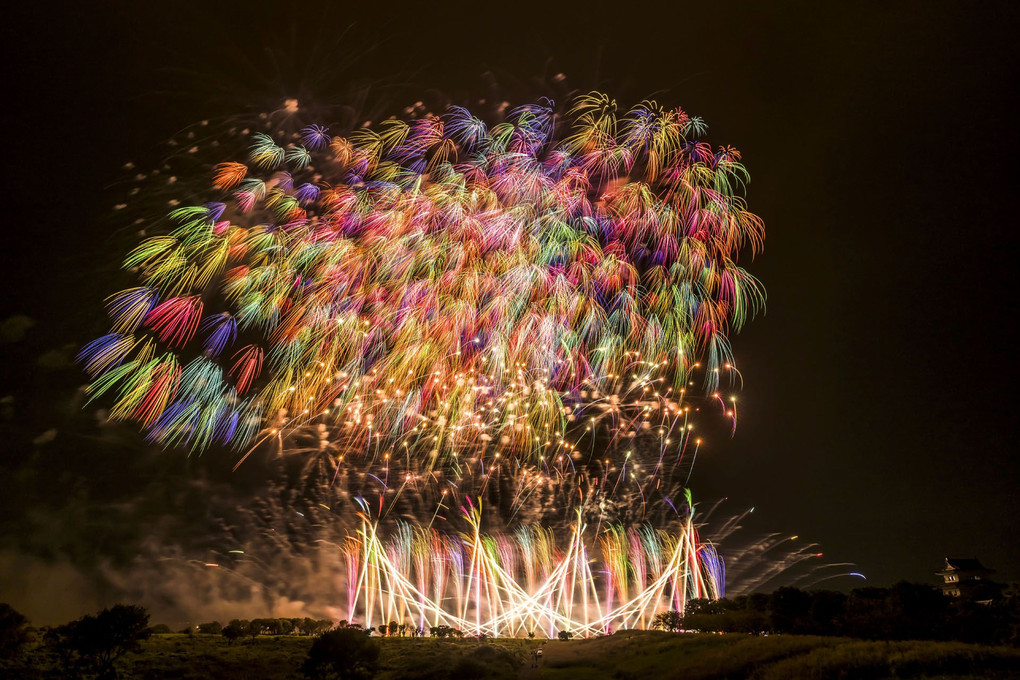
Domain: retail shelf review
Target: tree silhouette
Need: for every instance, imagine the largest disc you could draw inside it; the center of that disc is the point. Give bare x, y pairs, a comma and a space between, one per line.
210, 628
790, 610
257, 627
94, 643
232, 631
13, 631
342, 654
670, 621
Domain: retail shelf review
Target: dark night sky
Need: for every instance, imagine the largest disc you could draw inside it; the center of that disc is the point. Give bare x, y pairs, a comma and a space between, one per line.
877, 415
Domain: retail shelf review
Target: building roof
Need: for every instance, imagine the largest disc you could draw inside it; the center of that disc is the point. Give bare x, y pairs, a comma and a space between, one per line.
964, 564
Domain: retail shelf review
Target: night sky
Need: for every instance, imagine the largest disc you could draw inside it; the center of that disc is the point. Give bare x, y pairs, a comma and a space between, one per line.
877, 416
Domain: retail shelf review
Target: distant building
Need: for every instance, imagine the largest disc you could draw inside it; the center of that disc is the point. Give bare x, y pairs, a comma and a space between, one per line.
967, 578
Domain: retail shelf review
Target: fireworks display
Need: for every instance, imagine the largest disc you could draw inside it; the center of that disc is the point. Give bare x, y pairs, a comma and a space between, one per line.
511, 322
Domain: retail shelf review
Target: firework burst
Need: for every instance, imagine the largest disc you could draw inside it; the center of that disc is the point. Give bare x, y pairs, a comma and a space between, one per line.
533, 307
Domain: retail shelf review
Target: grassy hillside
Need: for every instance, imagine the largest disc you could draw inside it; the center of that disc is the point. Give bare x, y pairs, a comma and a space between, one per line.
626, 655
649, 654
201, 657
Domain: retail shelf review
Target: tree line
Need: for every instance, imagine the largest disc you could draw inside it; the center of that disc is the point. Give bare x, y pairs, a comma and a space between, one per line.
906, 611
241, 628
84, 648
89, 647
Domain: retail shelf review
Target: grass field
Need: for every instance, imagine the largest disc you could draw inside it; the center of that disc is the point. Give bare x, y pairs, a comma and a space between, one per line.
628, 655
204, 657
649, 654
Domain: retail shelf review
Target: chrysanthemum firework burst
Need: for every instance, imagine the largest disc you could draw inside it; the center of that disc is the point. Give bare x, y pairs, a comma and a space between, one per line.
443, 284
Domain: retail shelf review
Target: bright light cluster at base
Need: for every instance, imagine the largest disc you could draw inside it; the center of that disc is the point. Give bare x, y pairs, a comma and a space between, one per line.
513, 585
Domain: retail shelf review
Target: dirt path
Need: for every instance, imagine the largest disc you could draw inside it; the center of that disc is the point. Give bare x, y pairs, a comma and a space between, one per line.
529, 672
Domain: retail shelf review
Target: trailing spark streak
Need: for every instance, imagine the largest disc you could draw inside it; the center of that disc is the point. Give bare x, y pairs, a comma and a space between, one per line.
443, 284
511, 586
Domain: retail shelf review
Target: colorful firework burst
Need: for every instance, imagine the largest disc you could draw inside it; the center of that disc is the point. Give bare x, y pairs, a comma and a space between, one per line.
544, 299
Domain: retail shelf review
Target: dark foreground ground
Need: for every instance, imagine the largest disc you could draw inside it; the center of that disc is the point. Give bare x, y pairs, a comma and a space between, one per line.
626, 655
